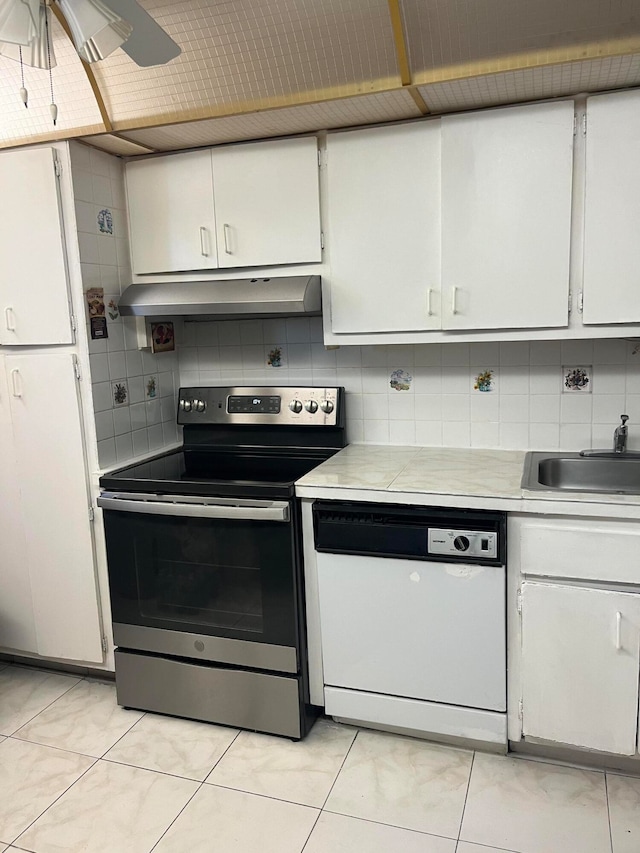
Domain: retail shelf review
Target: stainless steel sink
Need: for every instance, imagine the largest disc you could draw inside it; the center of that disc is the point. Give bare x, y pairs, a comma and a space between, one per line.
610, 473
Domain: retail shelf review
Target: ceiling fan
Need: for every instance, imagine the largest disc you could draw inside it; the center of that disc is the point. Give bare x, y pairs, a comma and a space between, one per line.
97, 28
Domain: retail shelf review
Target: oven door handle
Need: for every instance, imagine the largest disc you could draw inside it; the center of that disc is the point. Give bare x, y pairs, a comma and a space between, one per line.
241, 510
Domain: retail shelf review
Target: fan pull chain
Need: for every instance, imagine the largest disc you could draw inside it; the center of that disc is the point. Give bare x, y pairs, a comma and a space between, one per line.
23, 92
53, 109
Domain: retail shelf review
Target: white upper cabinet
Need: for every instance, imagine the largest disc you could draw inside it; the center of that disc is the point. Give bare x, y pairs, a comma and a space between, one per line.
48, 449
506, 216
383, 203
267, 203
235, 206
34, 294
580, 665
611, 232
171, 214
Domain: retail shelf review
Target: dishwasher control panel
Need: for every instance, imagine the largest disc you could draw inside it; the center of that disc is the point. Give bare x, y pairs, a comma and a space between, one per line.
460, 543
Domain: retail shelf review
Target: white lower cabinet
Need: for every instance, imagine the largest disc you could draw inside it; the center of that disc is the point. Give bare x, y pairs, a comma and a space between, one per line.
49, 600
580, 666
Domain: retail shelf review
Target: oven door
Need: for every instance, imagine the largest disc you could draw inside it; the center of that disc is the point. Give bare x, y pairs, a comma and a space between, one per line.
213, 579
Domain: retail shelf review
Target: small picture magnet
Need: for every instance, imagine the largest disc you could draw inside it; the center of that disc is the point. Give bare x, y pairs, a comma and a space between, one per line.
162, 337
95, 301
98, 328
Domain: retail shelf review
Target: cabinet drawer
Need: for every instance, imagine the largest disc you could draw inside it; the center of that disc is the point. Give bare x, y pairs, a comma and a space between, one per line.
587, 549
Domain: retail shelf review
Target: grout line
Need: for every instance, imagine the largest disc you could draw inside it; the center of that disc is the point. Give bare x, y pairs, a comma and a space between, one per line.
233, 740
177, 816
124, 734
466, 795
606, 792
46, 708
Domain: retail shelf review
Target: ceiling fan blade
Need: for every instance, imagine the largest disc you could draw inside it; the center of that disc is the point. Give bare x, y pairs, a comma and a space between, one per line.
148, 44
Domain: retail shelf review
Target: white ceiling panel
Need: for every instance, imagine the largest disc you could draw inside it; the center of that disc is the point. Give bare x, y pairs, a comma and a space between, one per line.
533, 84
115, 145
368, 109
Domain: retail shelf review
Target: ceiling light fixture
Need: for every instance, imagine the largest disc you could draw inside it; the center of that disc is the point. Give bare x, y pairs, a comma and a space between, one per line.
95, 27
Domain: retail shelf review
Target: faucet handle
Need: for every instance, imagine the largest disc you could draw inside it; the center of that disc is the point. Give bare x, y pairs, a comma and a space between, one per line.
624, 419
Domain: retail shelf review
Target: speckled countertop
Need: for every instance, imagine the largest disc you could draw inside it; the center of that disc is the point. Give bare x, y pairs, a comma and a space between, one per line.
446, 476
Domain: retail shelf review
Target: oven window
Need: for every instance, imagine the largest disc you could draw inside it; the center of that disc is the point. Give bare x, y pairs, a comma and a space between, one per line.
227, 578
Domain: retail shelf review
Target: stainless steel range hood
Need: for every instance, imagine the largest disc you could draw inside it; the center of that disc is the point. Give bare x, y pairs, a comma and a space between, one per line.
248, 297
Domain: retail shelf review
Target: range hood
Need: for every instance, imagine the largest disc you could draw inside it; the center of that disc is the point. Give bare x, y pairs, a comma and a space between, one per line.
278, 296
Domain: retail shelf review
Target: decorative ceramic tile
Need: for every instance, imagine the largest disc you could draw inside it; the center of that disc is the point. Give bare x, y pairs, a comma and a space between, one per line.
105, 221
120, 390
151, 387
112, 808
234, 822
26, 692
87, 719
32, 777
180, 747
335, 833
534, 806
577, 380
485, 380
404, 782
624, 812
113, 309
276, 355
301, 772
400, 380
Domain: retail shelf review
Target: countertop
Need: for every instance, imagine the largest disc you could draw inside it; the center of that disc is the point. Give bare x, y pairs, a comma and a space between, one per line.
447, 476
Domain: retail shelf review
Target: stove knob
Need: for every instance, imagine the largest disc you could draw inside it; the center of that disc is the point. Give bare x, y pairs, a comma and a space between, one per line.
461, 543
182, 404
295, 406
187, 405
201, 406
326, 406
311, 406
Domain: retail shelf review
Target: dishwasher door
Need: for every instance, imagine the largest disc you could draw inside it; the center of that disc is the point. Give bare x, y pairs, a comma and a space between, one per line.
423, 630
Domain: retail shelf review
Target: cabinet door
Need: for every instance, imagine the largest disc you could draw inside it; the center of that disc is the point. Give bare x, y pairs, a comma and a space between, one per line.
34, 294
506, 216
611, 244
17, 626
384, 228
267, 203
49, 454
171, 213
580, 665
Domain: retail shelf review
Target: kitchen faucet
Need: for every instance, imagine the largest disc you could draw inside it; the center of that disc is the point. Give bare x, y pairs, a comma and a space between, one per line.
620, 436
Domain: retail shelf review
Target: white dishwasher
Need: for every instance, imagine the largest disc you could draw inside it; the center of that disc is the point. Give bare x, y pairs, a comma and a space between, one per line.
412, 616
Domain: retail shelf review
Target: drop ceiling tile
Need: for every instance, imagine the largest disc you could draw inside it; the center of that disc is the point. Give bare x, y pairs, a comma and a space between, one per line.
239, 52
533, 84
367, 109
116, 145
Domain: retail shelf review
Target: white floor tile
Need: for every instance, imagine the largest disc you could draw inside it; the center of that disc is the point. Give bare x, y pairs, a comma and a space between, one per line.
301, 772
26, 692
624, 812
467, 847
404, 782
32, 777
335, 833
535, 807
219, 819
180, 747
87, 719
112, 808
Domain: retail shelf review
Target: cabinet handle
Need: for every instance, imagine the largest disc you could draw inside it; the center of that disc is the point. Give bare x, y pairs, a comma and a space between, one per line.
204, 243
10, 319
454, 300
618, 631
15, 375
429, 311
226, 228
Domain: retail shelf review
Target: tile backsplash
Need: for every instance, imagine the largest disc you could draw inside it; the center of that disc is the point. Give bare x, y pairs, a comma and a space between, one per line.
504, 395
134, 391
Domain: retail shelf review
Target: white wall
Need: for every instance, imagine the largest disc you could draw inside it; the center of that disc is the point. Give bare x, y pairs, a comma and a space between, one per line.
144, 423
526, 410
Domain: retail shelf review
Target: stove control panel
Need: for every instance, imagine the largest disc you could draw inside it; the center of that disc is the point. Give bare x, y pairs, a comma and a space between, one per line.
286, 406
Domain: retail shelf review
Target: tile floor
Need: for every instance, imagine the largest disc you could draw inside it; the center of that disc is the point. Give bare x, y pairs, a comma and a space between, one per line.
78, 774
